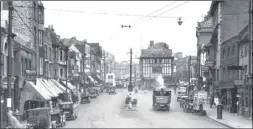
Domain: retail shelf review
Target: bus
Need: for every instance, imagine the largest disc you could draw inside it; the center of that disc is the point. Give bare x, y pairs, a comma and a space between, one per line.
110, 79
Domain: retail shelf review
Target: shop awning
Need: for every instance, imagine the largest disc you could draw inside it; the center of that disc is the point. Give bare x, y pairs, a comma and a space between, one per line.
56, 88
70, 86
58, 84
47, 87
96, 78
35, 92
91, 78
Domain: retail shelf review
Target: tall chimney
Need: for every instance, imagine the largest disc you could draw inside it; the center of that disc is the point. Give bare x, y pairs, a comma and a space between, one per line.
151, 43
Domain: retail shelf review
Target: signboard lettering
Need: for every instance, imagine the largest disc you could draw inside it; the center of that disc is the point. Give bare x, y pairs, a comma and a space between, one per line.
238, 82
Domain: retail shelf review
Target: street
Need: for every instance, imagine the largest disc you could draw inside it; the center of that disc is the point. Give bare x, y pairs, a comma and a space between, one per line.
107, 111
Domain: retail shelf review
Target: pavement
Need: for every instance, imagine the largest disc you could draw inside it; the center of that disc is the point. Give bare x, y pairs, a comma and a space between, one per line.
229, 119
108, 111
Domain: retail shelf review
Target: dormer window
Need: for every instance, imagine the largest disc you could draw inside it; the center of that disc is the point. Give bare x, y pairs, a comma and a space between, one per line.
41, 14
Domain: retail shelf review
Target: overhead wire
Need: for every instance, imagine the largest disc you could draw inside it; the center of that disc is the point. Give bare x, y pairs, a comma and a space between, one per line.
97, 13
164, 12
148, 15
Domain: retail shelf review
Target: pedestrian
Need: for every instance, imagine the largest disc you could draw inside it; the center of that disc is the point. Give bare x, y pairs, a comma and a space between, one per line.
211, 101
216, 101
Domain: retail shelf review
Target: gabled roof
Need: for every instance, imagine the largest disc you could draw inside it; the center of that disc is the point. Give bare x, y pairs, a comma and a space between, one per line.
70, 41
158, 50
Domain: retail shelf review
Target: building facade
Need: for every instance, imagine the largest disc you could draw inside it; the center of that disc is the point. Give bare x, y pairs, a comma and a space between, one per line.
156, 61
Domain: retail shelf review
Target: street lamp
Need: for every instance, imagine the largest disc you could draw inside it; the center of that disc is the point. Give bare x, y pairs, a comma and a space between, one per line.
180, 21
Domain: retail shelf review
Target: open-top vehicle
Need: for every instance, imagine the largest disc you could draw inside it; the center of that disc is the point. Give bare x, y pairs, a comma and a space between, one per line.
112, 90
85, 97
93, 93
161, 98
67, 108
58, 117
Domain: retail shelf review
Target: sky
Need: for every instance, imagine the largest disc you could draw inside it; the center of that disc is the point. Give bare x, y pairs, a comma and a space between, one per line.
100, 22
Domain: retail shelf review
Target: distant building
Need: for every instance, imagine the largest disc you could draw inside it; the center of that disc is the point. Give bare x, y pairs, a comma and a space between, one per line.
178, 55
154, 61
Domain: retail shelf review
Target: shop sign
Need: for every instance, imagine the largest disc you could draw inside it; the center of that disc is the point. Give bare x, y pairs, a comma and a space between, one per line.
239, 82
235, 68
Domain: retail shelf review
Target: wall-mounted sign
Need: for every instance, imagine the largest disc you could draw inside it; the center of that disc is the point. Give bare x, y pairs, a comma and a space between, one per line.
239, 82
235, 67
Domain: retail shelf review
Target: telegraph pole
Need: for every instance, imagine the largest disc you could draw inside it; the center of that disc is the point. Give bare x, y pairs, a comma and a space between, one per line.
135, 72
250, 79
189, 74
130, 87
84, 66
10, 64
104, 68
66, 72
1, 110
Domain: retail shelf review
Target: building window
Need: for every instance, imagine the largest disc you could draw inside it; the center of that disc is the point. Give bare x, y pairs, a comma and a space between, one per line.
228, 52
45, 47
241, 52
35, 36
41, 14
223, 54
40, 38
50, 54
61, 72
224, 73
245, 51
61, 55
41, 65
34, 11
233, 50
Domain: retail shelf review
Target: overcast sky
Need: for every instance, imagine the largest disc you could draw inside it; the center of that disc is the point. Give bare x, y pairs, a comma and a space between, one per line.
81, 19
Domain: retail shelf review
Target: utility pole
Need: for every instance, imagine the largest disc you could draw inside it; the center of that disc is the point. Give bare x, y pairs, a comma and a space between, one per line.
250, 56
104, 68
10, 64
84, 65
66, 72
1, 110
189, 75
130, 87
135, 78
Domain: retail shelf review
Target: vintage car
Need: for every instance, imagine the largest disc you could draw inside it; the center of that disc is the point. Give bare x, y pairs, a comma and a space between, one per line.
58, 117
67, 108
112, 90
161, 98
85, 97
39, 118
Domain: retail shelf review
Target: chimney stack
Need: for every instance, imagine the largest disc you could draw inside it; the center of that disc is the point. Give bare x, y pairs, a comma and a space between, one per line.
151, 43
